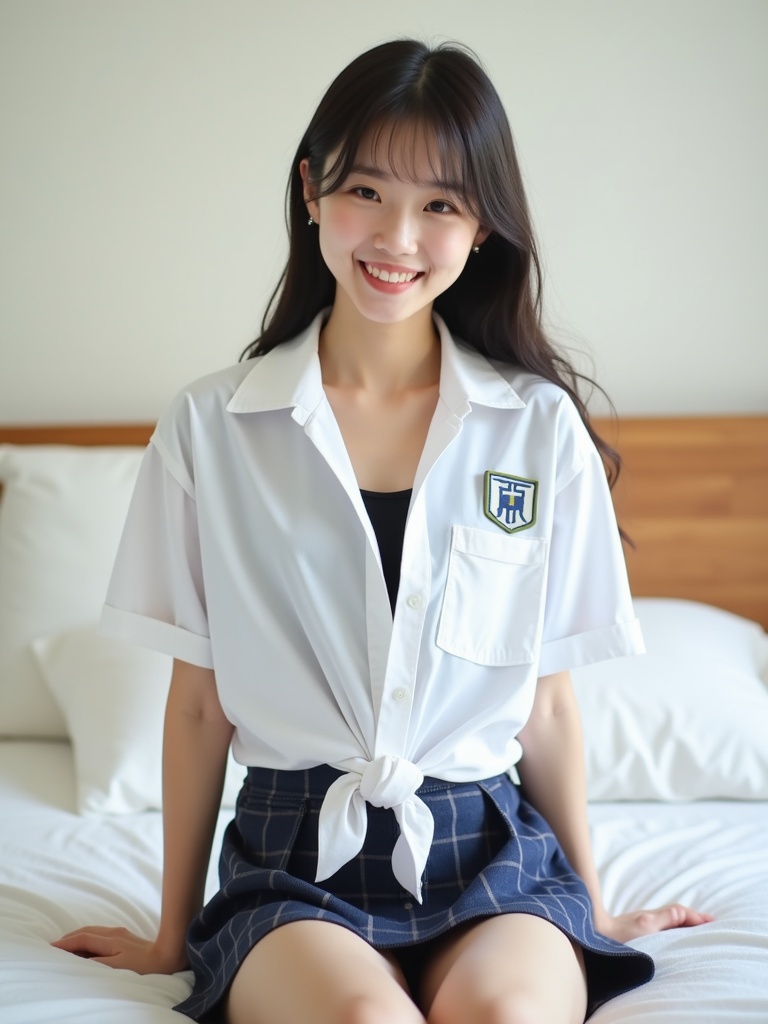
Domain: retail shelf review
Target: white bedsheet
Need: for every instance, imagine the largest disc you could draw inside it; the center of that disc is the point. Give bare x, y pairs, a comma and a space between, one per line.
59, 870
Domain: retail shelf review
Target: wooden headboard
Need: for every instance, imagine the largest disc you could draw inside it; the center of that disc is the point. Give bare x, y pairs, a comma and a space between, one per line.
693, 496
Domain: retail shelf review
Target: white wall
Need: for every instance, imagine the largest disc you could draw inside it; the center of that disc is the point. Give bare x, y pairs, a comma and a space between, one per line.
145, 145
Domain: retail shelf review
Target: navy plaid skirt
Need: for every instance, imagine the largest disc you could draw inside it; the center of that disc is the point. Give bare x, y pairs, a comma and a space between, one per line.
492, 853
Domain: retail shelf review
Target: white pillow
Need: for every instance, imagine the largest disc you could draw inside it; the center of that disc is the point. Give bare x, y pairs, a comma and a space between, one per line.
676, 627
112, 696
688, 720
61, 516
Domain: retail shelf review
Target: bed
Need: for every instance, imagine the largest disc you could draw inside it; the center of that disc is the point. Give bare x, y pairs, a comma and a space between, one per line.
676, 742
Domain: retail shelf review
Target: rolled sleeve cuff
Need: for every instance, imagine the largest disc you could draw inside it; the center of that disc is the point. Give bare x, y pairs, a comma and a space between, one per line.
617, 641
157, 636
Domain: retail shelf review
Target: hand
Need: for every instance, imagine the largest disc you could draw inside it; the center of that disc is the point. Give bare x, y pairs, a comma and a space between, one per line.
117, 947
625, 927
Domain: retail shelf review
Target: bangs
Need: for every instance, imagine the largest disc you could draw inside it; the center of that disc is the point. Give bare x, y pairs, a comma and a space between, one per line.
431, 117
422, 150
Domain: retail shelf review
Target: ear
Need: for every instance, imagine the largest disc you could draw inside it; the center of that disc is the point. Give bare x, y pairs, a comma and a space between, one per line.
313, 207
481, 235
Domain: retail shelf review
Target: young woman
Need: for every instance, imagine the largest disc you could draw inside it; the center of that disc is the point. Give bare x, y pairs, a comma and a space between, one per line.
374, 549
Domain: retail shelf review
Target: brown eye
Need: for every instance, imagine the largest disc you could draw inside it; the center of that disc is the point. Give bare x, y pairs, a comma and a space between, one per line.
439, 206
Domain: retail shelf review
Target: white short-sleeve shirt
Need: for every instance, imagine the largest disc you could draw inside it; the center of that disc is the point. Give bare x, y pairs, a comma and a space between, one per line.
248, 550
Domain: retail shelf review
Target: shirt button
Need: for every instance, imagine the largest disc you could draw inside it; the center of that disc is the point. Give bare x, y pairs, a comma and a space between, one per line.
400, 694
414, 601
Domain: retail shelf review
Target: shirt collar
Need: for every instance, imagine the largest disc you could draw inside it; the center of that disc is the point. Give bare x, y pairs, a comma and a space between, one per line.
466, 376
289, 377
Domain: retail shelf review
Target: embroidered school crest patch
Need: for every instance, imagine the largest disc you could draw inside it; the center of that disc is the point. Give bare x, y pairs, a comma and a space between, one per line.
510, 501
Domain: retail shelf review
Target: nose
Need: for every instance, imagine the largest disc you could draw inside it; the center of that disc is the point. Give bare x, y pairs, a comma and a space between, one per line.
396, 233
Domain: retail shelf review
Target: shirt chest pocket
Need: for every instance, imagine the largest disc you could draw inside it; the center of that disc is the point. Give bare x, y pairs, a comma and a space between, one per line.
494, 597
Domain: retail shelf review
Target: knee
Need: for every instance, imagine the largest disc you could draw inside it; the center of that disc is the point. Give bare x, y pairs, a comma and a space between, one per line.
512, 1008
507, 1008
365, 1010
360, 1010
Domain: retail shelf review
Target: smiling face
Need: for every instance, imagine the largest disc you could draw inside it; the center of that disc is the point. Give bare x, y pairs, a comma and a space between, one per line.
394, 234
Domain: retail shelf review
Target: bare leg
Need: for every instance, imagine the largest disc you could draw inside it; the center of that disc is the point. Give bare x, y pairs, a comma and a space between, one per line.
512, 969
316, 972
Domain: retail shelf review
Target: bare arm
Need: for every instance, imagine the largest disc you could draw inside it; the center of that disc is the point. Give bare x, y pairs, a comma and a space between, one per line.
553, 777
195, 745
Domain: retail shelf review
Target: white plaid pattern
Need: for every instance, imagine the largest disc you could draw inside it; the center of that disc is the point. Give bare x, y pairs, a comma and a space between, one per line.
492, 854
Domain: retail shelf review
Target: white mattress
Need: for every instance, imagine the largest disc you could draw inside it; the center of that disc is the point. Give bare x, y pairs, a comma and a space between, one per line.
59, 870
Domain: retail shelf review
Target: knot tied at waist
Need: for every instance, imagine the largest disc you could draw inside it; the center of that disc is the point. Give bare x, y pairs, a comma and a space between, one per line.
389, 782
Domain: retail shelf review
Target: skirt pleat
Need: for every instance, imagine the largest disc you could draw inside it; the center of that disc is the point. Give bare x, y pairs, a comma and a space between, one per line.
492, 854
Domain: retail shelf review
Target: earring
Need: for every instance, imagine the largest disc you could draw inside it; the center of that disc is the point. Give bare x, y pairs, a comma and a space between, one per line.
475, 249
310, 222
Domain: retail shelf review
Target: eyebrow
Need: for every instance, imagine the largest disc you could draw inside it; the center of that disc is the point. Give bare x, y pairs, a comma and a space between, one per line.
376, 172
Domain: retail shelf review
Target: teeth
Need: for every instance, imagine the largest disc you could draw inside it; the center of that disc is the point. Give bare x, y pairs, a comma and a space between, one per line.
393, 278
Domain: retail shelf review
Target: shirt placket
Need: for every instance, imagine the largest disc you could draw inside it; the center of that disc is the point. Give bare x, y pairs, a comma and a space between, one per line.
413, 599
407, 630
393, 646
322, 429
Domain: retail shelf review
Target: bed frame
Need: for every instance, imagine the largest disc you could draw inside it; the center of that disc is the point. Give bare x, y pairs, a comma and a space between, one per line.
693, 497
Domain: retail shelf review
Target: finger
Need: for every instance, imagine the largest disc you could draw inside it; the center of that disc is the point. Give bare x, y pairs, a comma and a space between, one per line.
674, 916
88, 944
94, 929
686, 917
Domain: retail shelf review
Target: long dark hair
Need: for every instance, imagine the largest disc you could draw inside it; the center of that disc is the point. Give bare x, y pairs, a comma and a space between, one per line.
495, 304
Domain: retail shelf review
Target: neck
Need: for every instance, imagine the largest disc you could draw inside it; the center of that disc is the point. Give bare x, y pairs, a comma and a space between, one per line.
382, 358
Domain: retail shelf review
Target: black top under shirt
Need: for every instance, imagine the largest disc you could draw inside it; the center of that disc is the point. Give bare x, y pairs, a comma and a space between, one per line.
388, 511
